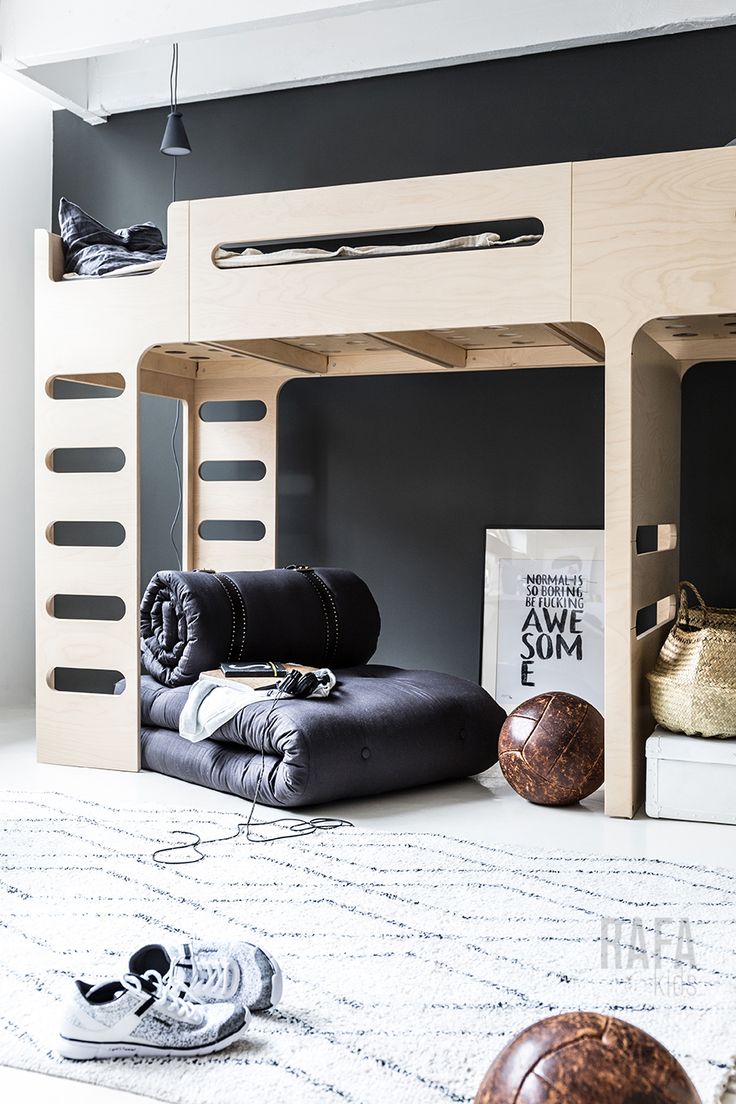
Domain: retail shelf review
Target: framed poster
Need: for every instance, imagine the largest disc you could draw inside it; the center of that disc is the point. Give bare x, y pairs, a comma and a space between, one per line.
543, 614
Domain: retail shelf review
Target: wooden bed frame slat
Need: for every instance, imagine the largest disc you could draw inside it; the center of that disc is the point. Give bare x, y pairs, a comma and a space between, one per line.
426, 346
278, 352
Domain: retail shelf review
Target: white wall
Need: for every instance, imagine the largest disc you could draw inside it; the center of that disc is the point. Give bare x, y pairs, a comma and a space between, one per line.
25, 203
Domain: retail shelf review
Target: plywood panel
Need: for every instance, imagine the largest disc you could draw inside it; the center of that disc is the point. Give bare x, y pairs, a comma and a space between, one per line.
91, 644
417, 292
653, 236
655, 575
656, 404
642, 488
91, 730
235, 501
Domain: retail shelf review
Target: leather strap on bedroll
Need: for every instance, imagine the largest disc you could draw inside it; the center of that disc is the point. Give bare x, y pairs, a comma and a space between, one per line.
328, 606
240, 617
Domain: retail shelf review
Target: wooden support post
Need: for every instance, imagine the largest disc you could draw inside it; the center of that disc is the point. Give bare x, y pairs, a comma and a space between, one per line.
642, 488
234, 500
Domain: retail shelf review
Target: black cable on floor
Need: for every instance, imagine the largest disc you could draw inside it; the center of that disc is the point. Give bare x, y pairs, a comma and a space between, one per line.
295, 826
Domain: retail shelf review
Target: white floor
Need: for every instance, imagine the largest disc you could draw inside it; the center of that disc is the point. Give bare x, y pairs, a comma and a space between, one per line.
488, 811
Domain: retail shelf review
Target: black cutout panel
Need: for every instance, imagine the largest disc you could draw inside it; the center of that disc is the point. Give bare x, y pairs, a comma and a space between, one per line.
69, 460
233, 410
84, 680
87, 607
216, 471
87, 534
232, 530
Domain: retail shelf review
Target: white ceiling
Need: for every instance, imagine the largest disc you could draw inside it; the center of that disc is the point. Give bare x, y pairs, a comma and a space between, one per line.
98, 57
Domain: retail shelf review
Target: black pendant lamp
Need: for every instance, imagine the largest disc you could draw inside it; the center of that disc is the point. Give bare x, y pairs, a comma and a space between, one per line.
175, 142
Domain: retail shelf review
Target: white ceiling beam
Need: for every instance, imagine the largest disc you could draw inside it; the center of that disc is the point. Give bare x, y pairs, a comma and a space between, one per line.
364, 43
288, 43
65, 85
40, 32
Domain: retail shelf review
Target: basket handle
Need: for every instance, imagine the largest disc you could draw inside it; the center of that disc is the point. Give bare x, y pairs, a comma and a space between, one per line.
684, 611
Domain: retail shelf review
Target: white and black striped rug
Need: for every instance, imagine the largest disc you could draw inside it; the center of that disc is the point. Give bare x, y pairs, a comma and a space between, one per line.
410, 958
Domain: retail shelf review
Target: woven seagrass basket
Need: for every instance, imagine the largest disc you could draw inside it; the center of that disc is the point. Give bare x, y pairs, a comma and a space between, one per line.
693, 684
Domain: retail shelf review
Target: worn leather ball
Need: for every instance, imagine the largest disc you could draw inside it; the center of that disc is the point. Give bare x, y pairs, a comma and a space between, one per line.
551, 749
585, 1058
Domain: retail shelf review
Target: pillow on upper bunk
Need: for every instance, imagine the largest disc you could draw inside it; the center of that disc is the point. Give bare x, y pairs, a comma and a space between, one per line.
91, 249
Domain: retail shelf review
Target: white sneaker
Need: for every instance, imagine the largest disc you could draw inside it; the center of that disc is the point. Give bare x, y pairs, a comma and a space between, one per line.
139, 1015
241, 972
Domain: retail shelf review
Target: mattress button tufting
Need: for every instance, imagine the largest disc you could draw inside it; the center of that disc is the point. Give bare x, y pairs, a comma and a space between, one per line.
461, 733
365, 753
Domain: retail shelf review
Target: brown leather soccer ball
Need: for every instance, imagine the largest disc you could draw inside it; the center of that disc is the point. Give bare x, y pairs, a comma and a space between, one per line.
585, 1058
551, 749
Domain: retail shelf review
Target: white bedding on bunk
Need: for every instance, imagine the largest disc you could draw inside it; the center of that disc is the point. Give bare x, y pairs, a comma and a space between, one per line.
251, 256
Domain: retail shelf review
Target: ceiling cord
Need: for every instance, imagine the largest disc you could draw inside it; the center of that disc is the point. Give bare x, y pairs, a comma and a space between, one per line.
174, 77
179, 503
173, 104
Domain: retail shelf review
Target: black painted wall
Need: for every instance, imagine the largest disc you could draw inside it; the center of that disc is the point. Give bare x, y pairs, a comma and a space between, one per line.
398, 477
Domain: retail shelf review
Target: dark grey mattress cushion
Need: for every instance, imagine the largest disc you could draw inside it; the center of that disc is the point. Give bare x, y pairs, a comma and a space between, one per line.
381, 729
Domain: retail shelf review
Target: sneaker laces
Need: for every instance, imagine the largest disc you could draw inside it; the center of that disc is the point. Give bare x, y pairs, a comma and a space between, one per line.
168, 1003
214, 975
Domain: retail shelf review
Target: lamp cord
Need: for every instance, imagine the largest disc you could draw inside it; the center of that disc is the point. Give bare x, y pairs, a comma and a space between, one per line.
295, 826
173, 104
174, 77
178, 481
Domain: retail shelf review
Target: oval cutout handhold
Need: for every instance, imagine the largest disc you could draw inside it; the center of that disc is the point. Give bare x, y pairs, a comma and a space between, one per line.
656, 614
84, 680
86, 534
216, 530
646, 618
646, 539
69, 460
220, 471
86, 607
233, 410
444, 238
655, 538
88, 385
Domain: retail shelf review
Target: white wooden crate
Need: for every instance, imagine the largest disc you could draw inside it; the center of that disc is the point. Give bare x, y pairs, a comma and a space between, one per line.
691, 778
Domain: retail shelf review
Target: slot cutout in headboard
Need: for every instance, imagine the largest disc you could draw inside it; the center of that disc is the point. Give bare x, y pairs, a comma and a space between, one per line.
449, 238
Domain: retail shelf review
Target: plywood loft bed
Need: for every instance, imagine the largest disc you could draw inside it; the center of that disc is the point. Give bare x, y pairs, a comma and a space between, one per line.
636, 265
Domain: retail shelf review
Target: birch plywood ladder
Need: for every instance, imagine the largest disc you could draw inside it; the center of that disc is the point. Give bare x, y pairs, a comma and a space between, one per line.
90, 336
87, 569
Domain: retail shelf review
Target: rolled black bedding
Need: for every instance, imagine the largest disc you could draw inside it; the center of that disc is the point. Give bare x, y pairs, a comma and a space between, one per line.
192, 621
